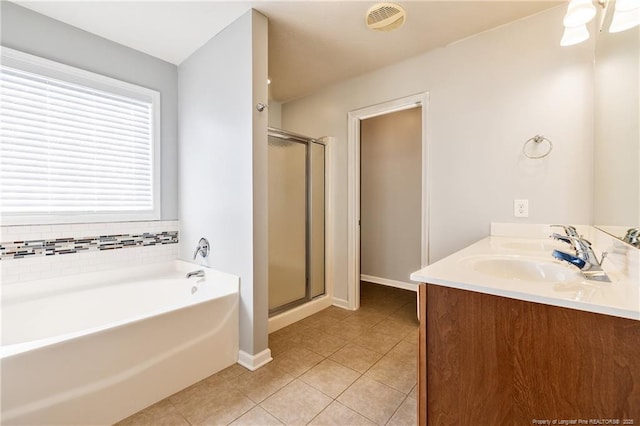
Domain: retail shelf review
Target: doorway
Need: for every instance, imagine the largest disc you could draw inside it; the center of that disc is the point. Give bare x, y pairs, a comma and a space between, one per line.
390, 197
355, 189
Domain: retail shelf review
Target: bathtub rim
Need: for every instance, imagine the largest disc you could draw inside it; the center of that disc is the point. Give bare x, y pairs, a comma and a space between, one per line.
227, 285
87, 280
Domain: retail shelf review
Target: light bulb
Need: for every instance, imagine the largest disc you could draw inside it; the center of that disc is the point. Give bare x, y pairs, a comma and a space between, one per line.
579, 12
624, 5
624, 20
574, 35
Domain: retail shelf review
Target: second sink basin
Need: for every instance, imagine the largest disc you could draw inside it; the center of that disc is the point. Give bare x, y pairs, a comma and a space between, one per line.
522, 269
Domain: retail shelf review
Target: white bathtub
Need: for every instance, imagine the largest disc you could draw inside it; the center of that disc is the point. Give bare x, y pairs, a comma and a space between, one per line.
96, 348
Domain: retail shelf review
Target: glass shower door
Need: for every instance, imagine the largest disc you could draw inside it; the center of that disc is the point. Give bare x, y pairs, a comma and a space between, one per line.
296, 220
287, 222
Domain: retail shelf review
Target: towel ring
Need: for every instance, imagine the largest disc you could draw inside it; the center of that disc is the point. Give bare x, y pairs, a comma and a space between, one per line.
537, 139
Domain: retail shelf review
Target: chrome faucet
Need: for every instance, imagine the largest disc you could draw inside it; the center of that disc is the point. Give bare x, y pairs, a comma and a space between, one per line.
199, 273
585, 258
202, 249
633, 237
580, 246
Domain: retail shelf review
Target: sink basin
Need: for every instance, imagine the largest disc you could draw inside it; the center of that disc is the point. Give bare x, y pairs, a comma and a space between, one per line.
522, 269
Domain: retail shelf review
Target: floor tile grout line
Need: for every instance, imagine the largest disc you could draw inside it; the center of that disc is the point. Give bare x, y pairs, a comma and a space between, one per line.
397, 409
266, 397
273, 414
178, 411
321, 411
243, 413
345, 389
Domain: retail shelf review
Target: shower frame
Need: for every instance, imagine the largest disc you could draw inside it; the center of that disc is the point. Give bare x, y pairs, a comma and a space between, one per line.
307, 141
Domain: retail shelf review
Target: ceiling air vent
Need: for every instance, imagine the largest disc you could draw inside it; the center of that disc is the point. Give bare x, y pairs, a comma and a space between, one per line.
385, 17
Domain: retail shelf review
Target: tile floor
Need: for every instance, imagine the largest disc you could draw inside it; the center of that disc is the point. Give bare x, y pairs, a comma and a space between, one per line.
336, 367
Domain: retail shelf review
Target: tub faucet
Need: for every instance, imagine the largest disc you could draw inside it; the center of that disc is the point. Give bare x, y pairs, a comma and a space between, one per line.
199, 273
203, 248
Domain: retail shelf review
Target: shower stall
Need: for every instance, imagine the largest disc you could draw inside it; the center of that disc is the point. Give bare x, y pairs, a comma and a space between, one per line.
296, 220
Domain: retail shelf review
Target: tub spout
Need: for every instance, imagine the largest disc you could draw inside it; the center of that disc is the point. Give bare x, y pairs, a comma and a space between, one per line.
199, 273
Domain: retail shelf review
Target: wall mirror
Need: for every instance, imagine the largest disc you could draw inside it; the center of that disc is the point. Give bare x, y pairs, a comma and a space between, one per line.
616, 130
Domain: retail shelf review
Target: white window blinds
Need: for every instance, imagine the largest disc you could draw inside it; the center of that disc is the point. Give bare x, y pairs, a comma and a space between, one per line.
70, 149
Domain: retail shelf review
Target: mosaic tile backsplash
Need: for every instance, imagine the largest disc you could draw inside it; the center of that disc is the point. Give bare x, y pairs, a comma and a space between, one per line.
21, 249
50, 251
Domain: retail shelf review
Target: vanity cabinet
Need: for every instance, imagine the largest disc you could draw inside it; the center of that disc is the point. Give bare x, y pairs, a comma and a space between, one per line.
489, 360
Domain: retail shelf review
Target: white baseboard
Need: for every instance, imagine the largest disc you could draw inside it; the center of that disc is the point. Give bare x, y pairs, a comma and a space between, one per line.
299, 312
341, 303
390, 283
253, 362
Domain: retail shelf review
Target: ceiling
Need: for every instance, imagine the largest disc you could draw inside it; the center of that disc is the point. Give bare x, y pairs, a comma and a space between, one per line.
312, 44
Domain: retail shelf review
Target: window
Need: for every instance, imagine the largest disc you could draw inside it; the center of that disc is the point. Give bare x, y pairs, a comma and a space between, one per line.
75, 146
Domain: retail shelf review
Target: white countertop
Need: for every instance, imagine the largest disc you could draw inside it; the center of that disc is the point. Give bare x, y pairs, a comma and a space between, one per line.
620, 298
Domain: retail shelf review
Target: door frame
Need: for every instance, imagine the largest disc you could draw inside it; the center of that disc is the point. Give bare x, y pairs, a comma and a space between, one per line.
353, 193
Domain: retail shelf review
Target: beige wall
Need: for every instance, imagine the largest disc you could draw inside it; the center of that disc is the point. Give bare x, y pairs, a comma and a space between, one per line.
391, 194
487, 95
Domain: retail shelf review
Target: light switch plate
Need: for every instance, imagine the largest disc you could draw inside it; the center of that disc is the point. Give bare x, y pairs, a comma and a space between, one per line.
521, 208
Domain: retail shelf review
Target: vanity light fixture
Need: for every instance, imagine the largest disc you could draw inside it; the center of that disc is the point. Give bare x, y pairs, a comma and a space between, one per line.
580, 12
626, 15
